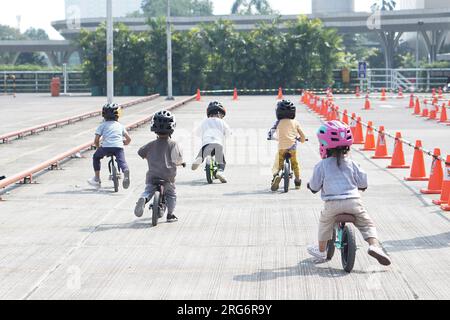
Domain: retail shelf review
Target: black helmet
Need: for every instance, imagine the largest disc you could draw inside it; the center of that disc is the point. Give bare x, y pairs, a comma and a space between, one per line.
111, 111
285, 110
214, 108
163, 122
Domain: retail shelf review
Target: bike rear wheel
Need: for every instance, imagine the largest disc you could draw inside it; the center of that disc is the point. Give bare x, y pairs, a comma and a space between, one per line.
115, 178
287, 176
348, 251
156, 208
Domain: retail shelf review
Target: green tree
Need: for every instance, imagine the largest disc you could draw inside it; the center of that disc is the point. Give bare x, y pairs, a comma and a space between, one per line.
248, 7
36, 34
180, 8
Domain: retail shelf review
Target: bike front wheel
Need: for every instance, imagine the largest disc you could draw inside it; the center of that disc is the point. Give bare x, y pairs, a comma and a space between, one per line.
286, 176
348, 251
156, 208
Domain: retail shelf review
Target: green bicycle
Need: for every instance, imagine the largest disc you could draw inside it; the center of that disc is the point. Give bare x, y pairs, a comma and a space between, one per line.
211, 169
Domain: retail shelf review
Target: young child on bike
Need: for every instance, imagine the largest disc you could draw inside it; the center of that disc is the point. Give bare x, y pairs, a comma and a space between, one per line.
113, 137
340, 179
163, 155
213, 131
289, 132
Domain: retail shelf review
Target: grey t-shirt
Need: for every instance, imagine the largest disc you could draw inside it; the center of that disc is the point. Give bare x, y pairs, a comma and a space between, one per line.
163, 156
338, 183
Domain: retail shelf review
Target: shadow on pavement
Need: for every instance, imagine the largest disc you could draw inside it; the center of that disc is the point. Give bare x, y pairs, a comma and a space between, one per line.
437, 241
135, 225
303, 269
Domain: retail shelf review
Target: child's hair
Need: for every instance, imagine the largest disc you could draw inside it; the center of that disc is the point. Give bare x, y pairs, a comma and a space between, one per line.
339, 153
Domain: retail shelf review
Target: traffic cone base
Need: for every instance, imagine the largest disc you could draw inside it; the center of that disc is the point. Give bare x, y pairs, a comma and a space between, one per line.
439, 202
398, 166
382, 157
426, 191
416, 179
445, 207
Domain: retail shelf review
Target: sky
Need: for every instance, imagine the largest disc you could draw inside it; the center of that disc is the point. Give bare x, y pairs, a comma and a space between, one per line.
40, 13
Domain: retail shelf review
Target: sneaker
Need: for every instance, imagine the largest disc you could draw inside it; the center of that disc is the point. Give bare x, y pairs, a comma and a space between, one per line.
316, 253
126, 180
298, 183
221, 177
171, 218
379, 254
196, 164
276, 183
94, 182
140, 206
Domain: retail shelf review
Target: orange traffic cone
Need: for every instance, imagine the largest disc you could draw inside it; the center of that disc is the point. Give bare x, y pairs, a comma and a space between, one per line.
280, 93
398, 158
198, 98
235, 94
400, 93
345, 117
436, 175
435, 100
357, 92
359, 134
440, 93
381, 151
425, 113
432, 115
418, 166
411, 101
445, 193
370, 138
433, 92
417, 107
383, 94
443, 118
367, 103
446, 207
353, 124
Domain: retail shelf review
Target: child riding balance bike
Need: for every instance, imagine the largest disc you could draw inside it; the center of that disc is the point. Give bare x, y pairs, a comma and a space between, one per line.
339, 179
289, 132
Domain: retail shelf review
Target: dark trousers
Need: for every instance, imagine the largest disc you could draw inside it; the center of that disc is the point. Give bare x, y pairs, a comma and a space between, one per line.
106, 152
216, 150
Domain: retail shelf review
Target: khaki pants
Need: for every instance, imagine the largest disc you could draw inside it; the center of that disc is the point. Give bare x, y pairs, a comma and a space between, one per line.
279, 162
350, 206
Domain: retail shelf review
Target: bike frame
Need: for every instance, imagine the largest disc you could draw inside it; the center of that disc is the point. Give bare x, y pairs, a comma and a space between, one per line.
339, 235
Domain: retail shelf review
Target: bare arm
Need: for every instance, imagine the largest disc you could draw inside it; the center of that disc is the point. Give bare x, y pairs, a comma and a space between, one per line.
97, 141
127, 140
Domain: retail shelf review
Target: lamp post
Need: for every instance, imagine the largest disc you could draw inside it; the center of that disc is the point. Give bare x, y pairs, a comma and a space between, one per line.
109, 52
169, 55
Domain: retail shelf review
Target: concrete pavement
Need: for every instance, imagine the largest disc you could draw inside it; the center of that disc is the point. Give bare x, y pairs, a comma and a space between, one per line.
61, 239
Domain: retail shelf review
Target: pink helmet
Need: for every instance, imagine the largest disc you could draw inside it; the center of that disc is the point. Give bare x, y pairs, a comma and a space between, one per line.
334, 134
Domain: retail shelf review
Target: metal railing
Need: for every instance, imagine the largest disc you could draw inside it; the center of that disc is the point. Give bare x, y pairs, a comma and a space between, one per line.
39, 81
416, 80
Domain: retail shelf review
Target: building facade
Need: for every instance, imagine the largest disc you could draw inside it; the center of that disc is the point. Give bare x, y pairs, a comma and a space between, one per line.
97, 8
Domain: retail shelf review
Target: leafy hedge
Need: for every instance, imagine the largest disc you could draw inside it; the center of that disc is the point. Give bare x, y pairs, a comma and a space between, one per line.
216, 56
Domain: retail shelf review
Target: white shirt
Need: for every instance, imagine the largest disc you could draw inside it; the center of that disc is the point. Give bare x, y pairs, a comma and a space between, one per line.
213, 130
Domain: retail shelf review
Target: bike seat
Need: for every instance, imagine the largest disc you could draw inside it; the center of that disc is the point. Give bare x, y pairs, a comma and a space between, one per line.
345, 218
287, 155
157, 181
